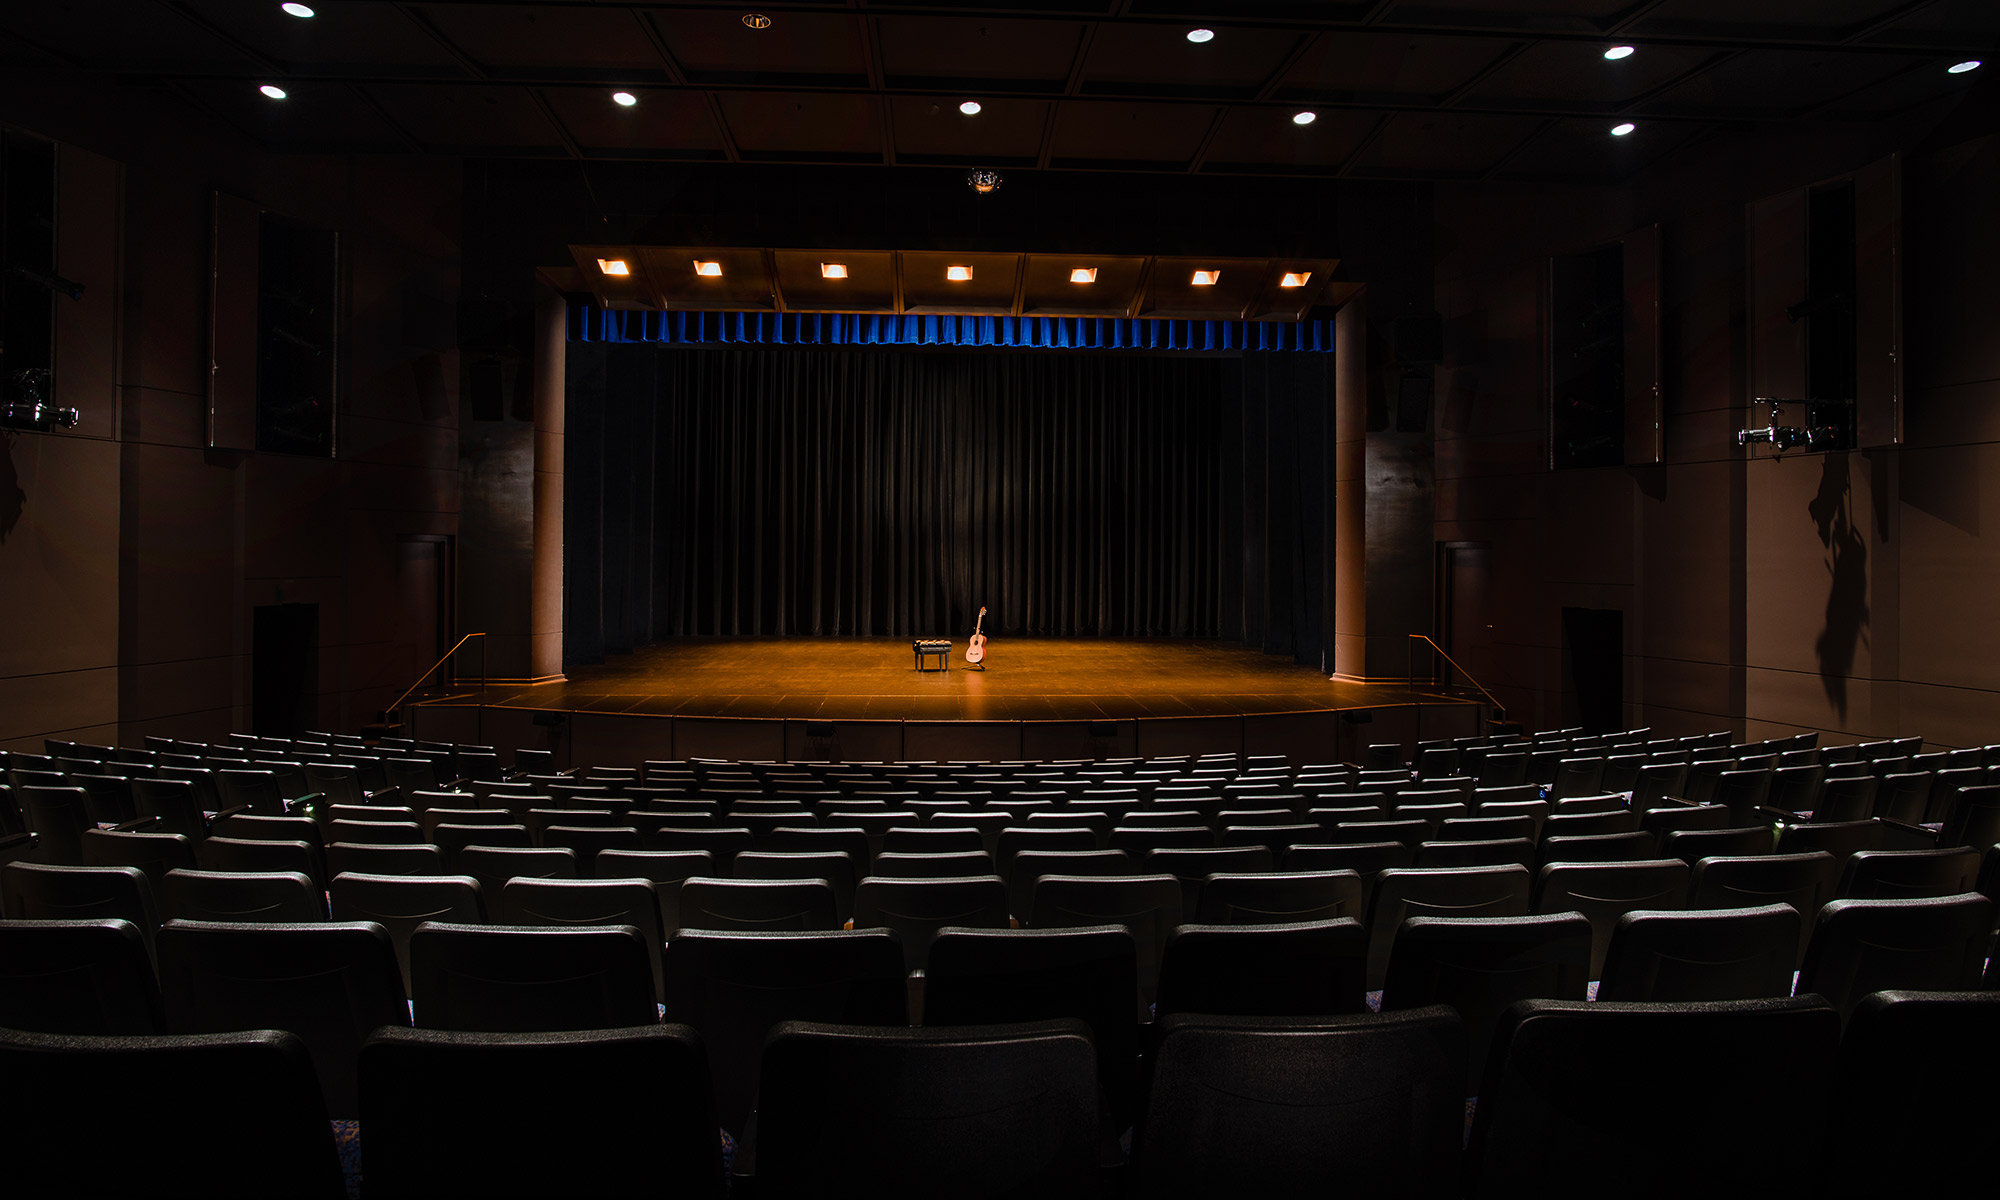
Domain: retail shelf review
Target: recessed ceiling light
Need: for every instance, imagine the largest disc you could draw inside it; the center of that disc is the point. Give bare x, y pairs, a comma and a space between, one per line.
1304, 118
970, 108
958, 274
985, 181
1622, 130
613, 266
1083, 275
1618, 52
297, 10
1970, 64
624, 99
1295, 279
757, 20
711, 269
833, 270
1199, 36
273, 91
1205, 278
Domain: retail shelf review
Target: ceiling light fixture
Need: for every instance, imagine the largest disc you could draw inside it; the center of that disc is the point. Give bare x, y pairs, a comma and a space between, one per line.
273, 91
1304, 118
985, 181
833, 270
757, 20
1295, 279
1970, 64
1622, 130
624, 99
711, 269
970, 108
1205, 278
1083, 275
1618, 52
613, 266
1198, 36
958, 274
298, 10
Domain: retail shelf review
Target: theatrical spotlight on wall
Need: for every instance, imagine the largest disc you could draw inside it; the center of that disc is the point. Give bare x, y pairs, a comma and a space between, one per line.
1829, 426
985, 181
28, 407
50, 280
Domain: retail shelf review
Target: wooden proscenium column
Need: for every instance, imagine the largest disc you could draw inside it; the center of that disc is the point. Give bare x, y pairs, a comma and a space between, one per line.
511, 519
1350, 496
546, 594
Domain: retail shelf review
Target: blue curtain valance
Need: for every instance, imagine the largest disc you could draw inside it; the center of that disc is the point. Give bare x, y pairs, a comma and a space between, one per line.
588, 323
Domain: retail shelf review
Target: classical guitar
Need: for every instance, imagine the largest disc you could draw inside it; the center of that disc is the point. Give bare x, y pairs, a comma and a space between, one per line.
975, 650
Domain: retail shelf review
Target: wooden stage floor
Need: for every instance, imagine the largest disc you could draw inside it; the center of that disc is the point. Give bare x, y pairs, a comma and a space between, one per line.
1028, 679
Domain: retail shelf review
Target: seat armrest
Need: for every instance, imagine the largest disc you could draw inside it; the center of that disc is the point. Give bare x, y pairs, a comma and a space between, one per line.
1778, 815
387, 795
297, 807
19, 847
1898, 835
140, 825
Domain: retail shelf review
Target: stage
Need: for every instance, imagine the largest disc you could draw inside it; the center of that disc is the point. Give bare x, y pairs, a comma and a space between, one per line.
1038, 697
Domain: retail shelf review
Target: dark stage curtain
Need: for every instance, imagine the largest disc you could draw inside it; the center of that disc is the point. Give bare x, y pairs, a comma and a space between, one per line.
811, 491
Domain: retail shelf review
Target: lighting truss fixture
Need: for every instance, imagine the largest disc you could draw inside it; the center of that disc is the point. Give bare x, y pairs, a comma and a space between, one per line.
1083, 275
613, 266
1618, 52
624, 99
833, 270
1970, 64
1304, 118
1198, 36
295, 9
712, 270
1295, 279
970, 108
1622, 130
757, 20
273, 91
1205, 278
958, 274
985, 181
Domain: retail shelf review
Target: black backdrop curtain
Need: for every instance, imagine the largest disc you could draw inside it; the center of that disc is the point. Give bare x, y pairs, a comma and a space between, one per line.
818, 492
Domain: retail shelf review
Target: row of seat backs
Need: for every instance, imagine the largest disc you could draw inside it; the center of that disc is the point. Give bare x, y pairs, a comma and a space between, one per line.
1767, 1098
468, 976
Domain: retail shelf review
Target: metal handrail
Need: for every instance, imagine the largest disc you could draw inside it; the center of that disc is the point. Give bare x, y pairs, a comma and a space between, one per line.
1498, 707
440, 662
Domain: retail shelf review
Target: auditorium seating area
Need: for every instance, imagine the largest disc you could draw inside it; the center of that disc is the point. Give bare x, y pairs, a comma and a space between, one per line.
1678, 964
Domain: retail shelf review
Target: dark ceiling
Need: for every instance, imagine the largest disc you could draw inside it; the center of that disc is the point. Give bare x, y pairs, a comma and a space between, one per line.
1402, 89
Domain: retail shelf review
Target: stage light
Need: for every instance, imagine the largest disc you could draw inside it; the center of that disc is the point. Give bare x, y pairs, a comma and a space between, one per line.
1295, 279
833, 270
624, 99
1304, 118
1083, 275
1622, 130
970, 108
711, 269
1618, 52
1970, 64
958, 274
298, 10
613, 266
1198, 36
757, 20
1205, 278
273, 91
985, 181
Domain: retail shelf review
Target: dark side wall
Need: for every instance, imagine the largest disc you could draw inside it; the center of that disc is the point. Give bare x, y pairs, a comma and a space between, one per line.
1844, 593
132, 557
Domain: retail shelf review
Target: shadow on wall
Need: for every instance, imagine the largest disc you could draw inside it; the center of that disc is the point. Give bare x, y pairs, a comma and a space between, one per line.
12, 499
1832, 511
